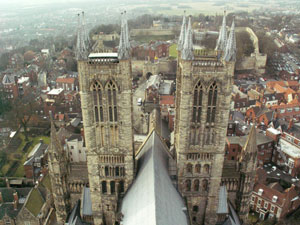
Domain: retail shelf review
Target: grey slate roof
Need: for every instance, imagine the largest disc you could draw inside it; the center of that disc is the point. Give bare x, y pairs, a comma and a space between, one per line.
74, 217
152, 199
223, 206
7, 79
87, 202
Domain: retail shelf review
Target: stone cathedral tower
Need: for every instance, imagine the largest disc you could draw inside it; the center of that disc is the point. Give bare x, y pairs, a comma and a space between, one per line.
203, 94
59, 172
106, 100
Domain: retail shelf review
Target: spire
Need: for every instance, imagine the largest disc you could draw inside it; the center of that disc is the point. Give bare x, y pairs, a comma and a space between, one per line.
221, 43
123, 51
230, 51
182, 34
250, 148
81, 50
187, 51
127, 42
86, 38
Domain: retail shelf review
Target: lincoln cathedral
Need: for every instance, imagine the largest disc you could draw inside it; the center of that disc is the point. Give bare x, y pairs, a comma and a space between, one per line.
186, 183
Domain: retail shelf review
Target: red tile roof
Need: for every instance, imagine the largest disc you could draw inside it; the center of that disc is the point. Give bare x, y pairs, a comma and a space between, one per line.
167, 100
68, 80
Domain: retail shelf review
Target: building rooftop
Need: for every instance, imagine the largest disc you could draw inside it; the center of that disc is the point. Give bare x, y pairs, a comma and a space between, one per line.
289, 148
273, 131
152, 197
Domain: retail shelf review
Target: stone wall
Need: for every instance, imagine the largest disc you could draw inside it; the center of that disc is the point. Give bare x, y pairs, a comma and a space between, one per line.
152, 32
257, 61
209, 150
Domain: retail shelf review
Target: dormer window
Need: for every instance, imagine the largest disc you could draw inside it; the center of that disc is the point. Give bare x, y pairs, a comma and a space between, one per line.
260, 191
274, 199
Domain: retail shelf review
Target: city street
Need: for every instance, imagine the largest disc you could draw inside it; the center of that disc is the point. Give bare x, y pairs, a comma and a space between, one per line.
139, 120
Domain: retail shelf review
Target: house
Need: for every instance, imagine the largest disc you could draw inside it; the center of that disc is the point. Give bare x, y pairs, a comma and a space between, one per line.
290, 110
270, 198
287, 153
235, 144
10, 86
67, 83
38, 205
76, 148
152, 89
11, 202
36, 160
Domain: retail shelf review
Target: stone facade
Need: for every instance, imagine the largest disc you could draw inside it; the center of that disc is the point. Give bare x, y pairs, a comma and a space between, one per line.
202, 111
106, 101
59, 173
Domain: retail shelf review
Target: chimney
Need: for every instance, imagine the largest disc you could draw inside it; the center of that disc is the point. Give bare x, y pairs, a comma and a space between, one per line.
15, 205
291, 123
16, 200
7, 183
16, 197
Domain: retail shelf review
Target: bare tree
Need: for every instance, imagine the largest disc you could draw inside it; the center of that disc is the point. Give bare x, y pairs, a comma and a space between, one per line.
22, 110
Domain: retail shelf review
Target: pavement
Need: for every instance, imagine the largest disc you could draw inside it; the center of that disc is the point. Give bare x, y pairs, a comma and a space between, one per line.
139, 118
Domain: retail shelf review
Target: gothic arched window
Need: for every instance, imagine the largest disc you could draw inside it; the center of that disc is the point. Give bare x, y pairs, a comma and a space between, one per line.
189, 168
196, 185
97, 91
121, 188
212, 103
195, 208
188, 185
112, 101
206, 168
112, 187
104, 188
198, 168
204, 185
197, 103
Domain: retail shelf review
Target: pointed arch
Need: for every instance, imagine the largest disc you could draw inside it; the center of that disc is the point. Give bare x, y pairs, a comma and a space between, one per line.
204, 184
198, 168
189, 168
196, 185
111, 90
97, 91
197, 102
212, 103
188, 185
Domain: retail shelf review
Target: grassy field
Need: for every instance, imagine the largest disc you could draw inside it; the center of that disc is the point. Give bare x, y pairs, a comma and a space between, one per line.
195, 8
173, 51
16, 159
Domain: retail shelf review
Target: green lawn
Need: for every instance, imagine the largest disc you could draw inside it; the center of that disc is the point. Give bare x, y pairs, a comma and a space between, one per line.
173, 51
18, 157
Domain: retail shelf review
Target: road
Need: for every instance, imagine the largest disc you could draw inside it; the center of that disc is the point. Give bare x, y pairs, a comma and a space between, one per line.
139, 119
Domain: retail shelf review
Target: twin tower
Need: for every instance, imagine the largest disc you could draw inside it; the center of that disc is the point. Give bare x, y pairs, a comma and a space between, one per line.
203, 94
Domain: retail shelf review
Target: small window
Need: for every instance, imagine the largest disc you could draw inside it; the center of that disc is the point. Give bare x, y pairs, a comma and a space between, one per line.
72, 147
259, 201
104, 188
121, 186
112, 187
195, 208
272, 208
